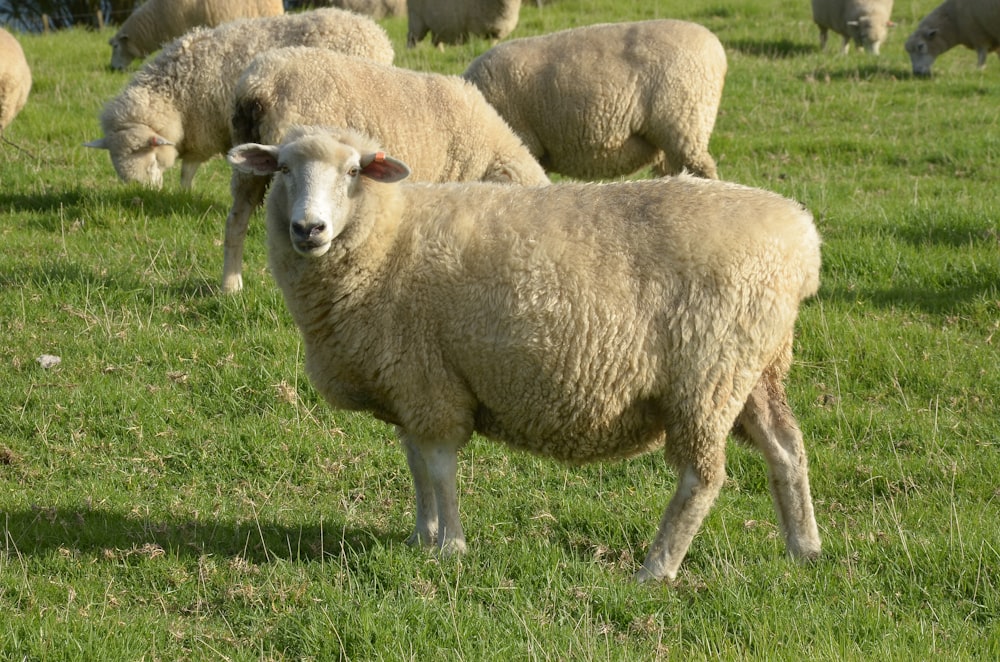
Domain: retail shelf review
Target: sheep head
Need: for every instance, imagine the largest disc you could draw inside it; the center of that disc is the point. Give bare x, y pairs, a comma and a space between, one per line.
316, 174
138, 154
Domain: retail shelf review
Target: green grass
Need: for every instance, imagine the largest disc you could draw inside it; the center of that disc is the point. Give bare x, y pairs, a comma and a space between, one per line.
175, 489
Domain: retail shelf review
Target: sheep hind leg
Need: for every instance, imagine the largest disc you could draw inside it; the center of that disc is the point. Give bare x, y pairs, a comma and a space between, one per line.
435, 468
683, 517
768, 423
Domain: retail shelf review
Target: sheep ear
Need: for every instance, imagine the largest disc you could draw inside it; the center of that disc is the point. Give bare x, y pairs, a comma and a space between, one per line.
158, 141
100, 143
254, 159
383, 168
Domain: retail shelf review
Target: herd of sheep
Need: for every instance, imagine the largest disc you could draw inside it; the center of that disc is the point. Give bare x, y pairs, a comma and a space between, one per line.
580, 321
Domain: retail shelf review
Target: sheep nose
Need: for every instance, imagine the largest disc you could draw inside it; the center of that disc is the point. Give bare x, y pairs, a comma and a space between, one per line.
307, 231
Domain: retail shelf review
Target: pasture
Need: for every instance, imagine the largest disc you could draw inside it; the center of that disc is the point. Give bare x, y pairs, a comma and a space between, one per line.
175, 489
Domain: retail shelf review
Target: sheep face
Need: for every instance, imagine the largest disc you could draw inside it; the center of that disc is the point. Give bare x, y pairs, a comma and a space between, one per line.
316, 178
122, 52
924, 46
868, 33
138, 154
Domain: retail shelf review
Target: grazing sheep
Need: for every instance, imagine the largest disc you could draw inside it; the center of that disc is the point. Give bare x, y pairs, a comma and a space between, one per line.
440, 124
180, 103
582, 322
974, 24
15, 79
156, 22
373, 8
605, 100
865, 22
452, 21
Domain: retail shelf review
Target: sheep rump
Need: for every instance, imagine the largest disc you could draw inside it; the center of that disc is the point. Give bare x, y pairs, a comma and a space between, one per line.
15, 79
865, 22
577, 321
157, 22
605, 100
440, 125
974, 24
180, 103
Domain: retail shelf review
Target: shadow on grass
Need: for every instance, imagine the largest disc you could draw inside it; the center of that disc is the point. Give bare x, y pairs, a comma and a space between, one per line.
934, 301
777, 49
40, 531
50, 210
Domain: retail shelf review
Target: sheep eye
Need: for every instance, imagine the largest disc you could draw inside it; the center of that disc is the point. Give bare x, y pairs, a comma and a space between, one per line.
283, 169
354, 172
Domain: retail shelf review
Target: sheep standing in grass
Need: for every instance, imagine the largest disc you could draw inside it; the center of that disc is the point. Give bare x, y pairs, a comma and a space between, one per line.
453, 21
180, 103
156, 22
974, 24
15, 79
865, 22
583, 322
440, 124
605, 100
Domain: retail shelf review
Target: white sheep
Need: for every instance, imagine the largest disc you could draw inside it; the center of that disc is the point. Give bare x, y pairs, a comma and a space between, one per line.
453, 21
157, 22
974, 24
583, 322
373, 8
605, 100
865, 22
180, 103
440, 124
15, 79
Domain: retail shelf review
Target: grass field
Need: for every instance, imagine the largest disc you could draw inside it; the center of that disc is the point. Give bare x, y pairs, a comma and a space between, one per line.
175, 489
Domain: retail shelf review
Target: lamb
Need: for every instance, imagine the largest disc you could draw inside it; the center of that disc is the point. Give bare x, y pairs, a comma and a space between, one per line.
866, 22
578, 321
440, 124
605, 100
179, 104
373, 8
157, 22
974, 24
453, 21
15, 79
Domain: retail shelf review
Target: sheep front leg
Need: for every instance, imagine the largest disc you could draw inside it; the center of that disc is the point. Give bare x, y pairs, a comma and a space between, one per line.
247, 192
687, 509
768, 421
435, 469
426, 531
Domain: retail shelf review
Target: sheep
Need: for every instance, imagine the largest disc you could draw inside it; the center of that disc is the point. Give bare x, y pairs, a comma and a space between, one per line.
452, 21
866, 22
157, 22
373, 8
577, 321
605, 100
974, 24
179, 104
15, 79
440, 124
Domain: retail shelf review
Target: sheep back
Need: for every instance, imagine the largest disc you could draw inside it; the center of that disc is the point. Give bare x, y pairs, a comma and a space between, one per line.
156, 22
440, 125
15, 79
605, 100
452, 21
373, 8
184, 95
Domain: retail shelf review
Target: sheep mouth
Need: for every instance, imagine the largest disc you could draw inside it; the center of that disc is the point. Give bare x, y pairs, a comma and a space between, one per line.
310, 247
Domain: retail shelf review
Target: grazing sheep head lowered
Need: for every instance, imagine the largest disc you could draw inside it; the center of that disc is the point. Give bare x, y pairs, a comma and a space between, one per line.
138, 154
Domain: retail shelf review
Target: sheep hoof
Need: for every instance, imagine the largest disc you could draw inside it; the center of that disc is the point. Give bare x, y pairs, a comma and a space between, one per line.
417, 540
452, 548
